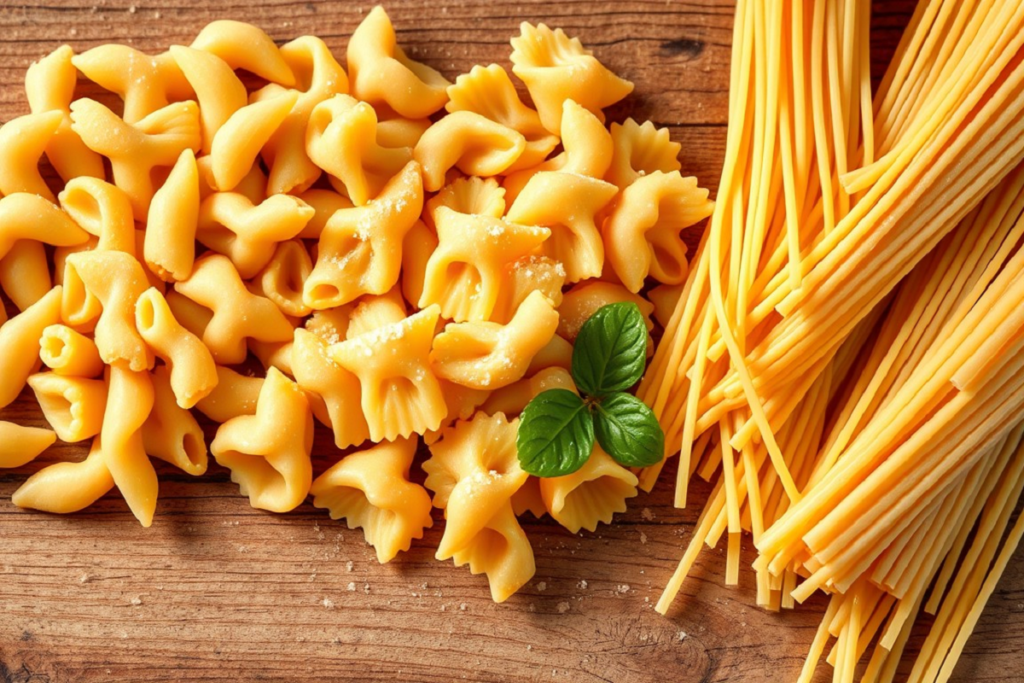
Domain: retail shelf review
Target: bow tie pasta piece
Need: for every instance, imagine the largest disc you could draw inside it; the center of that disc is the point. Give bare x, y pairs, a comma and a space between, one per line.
465, 140
73, 406
135, 150
69, 353
102, 210
244, 46
568, 204
382, 73
248, 235
21, 445
590, 495
556, 68
237, 314
524, 276
486, 355
19, 344
25, 274
22, 143
325, 203
419, 243
502, 551
371, 489
360, 250
639, 151
374, 312
129, 403
268, 453
400, 394
234, 395
583, 300
342, 139
145, 83
473, 196
465, 273
643, 233
67, 487
511, 400
239, 140
334, 393
170, 239
461, 403
171, 433
488, 91
218, 90
284, 277
30, 217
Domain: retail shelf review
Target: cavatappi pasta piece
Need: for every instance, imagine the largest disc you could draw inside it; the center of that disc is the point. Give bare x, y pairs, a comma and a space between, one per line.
268, 453
26, 216
465, 273
469, 142
590, 495
129, 403
234, 395
324, 203
342, 140
643, 233
73, 406
239, 140
556, 68
488, 91
474, 196
640, 150
283, 278
511, 400
22, 143
502, 551
371, 489
115, 281
218, 90
102, 210
360, 250
244, 46
21, 445
248, 235
333, 392
568, 204
19, 344
25, 273
69, 353
382, 73
238, 314
142, 81
486, 355
66, 487
523, 276
171, 433
400, 394
583, 300
50, 86
136, 149
419, 243
170, 241
400, 132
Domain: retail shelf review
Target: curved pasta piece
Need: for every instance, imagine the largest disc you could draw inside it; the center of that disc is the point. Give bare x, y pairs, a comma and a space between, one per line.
142, 81
26, 216
248, 235
486, 355
360, 250
465, 140
171, 433
461, 401
643, 233
557, 354
25, 273
583, 300
342, 139
325, 203
136, 149
488, 91
237, 314
22, 143
244, 46
19, 344
567, 204
640, 150
239, 140
218, 90
466, 272
282, 279
334, 393
332, 324
371, 489
400, 132
528, 499
511, 400
381, 71
21, 445
664, 299
374, 312
234, 395
268, 453
69, 353
102, 210
193, 317
73, 406
274, 355
524, 276
66, 487
590, 495
399, 393
556, 68
170, 238
419, 243
474, 196
502, 551
129, 403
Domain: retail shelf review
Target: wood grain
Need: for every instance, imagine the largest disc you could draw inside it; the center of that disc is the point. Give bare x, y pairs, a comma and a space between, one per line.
217, 591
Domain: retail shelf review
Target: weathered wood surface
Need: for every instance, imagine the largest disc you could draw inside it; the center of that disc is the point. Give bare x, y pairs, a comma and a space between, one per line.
217, 591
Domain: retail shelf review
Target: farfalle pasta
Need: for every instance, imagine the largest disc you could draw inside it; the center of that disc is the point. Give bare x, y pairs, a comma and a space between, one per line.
590, 495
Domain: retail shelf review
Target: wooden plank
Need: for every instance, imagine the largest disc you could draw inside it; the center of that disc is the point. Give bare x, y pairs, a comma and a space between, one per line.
216, 591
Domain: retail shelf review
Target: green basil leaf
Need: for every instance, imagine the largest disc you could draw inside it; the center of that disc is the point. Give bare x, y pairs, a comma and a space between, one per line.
611, 350
556, 434
628, 431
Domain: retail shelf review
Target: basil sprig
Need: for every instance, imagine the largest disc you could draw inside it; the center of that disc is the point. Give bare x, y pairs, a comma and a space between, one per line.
557, 429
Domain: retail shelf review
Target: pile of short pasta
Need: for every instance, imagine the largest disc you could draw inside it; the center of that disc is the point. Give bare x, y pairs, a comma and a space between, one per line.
401, 272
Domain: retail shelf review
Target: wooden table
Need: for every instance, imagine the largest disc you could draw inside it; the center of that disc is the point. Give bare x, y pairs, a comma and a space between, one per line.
217, 591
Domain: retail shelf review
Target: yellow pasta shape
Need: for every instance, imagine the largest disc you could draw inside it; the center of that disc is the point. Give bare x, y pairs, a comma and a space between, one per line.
26, 216
67, 487
556, 68
461, 401
69, 353
234, 395
19, 344
400, 132
643, 233
25, 273
192, 316
248, 235
334, 393
475, 196
325, 203
400, 394
274, 355
218, 90
371, 489
511, 400
22, 143
115, 281
664, 298
268, 453
583, 300
102, 210
465, 273
467, 141
374, 312
486, 355
171, 433
502, 551
488, 91
282, 279
170, 238
360, 250
640, 150
239, 140
237, 314
331, 324
568, 204
50, 86
73, 406
21, 445
557, 354
590, 495
523, 276
142, 81
244, 46
382, 73
528, 499
135, 150
129, 403
419, 243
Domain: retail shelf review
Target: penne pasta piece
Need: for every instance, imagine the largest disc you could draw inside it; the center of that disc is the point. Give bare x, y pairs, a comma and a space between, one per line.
69, 353
19, 344
73, 406
21, 445
171, 433
67, 487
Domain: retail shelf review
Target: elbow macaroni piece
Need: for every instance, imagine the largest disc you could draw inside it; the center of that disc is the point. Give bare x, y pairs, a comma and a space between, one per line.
22, 143
170, 239
234, 395
239, 139
69, 353
334, 393
467, 141
590, 495
218, 90
73, 406
19, 344
102, 210
244, 46
21, 445
129, 404
640, 150
171, 433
